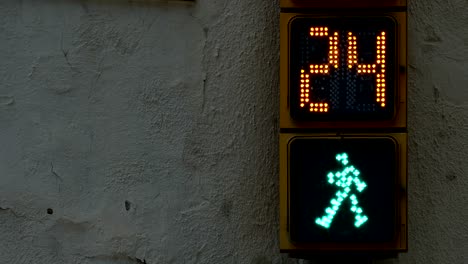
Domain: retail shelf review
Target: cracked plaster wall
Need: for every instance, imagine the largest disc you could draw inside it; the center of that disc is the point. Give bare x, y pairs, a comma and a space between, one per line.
138, 132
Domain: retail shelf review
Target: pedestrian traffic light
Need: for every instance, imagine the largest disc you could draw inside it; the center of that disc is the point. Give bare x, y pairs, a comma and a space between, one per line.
343, 139
344, 192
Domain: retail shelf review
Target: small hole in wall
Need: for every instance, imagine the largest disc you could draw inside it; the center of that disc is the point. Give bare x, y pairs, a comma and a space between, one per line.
50, 211
127, 205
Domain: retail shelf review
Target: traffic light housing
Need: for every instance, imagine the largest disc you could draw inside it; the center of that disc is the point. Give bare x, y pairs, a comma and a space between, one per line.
343, 94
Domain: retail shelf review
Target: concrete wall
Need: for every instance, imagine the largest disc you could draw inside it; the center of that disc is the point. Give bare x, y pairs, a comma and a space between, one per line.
137, 132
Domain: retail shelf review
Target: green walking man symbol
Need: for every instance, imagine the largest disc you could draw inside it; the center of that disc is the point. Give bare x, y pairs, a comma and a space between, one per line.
344, 180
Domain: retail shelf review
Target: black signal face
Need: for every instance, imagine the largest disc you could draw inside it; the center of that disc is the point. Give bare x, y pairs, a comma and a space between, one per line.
342, 190
342, 68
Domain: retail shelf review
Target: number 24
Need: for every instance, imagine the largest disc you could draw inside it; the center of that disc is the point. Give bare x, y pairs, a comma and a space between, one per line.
377, 68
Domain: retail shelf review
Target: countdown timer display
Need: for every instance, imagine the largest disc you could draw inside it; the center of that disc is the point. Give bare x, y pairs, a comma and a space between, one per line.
342, 190
342, 68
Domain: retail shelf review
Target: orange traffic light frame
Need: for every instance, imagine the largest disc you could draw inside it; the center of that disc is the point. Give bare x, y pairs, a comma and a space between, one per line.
399, 119
324, 128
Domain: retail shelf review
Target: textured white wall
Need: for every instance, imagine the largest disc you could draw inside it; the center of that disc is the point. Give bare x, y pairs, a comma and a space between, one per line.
150, 131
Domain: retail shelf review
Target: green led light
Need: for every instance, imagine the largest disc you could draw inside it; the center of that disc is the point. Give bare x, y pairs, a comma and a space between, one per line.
344, 180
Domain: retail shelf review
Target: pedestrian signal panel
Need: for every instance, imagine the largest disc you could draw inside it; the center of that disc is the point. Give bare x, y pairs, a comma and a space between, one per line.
342, 68
343, 192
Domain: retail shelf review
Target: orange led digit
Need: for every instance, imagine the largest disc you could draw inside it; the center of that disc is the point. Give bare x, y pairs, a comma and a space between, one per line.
319, 69
377, 69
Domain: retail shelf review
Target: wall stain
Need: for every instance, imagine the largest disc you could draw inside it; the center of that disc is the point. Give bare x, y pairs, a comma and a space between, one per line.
140, 261
6, 100
118, 257
261, 260
10, 210
54, 172
431, 35
128, 205
57, 177
68, 226
4, 208
196, 208
65, 53
84, 6
436, 92
226, 208
451, 176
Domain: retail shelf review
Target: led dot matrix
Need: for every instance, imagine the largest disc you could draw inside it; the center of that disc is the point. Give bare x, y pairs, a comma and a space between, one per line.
377, 68
316, 69
373, 68
344, 65
381, 53
345, 180
333, 53
319, 31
